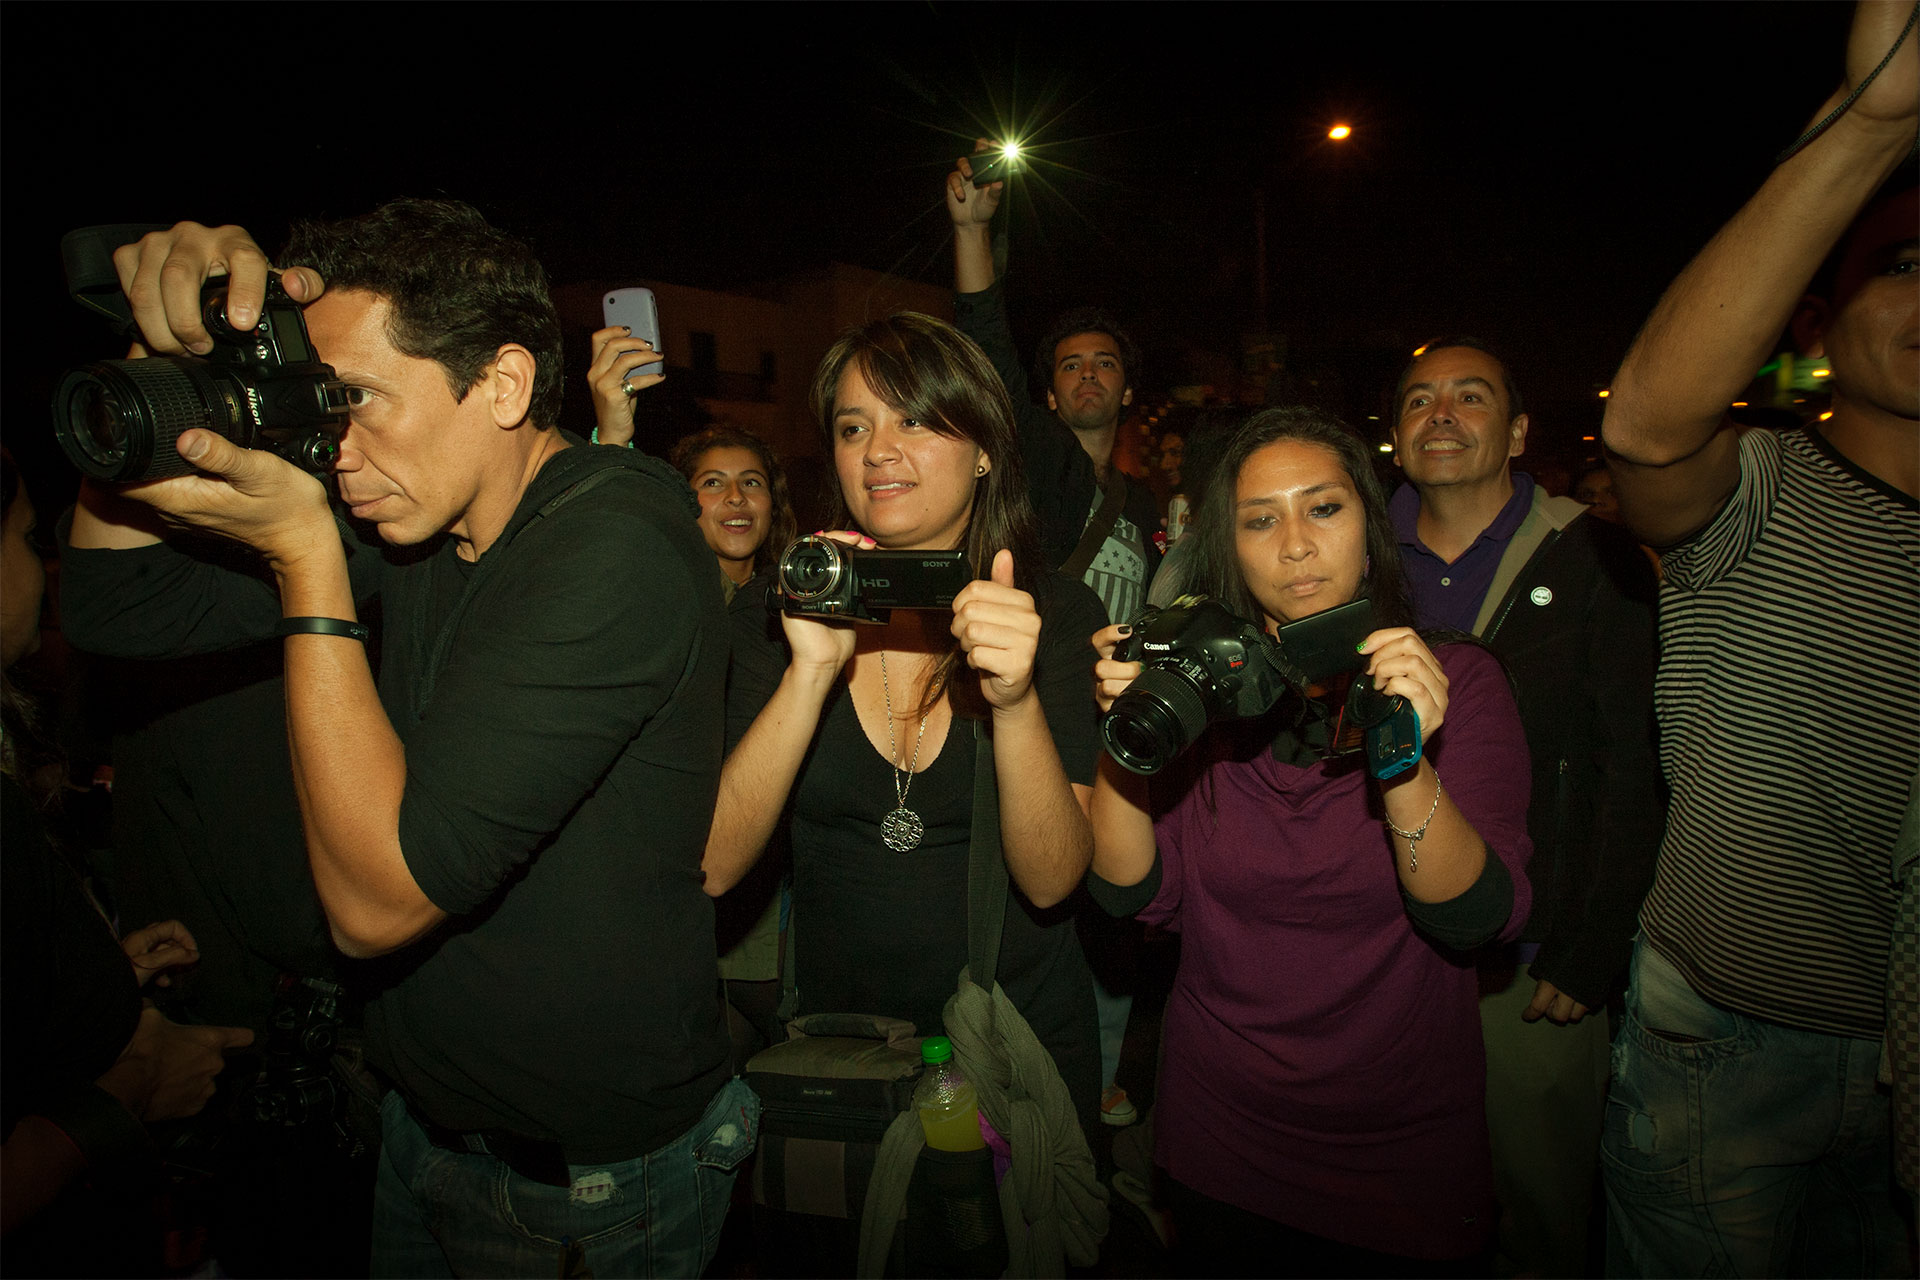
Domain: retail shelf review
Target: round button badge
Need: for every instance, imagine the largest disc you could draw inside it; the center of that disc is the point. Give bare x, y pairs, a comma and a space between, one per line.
1542, 595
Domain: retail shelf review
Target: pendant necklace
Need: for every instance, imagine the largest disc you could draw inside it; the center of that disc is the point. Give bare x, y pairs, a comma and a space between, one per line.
901, 830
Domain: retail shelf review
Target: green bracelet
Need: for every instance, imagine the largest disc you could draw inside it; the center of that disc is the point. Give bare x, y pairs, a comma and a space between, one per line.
323, 627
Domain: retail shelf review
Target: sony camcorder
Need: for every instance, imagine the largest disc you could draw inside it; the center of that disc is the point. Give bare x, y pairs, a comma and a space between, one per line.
823, 578
1204, 663
262, 388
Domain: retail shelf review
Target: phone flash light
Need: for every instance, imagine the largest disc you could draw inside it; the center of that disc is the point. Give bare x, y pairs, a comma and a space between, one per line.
1340, 132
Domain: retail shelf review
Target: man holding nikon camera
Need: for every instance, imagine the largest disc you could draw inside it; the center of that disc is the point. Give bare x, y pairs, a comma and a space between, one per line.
474, 813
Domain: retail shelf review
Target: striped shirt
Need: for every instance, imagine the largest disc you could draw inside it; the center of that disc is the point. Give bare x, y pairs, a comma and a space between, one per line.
1788, 698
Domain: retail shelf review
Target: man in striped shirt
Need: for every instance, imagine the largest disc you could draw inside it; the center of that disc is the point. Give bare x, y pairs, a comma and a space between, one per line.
1745, 1133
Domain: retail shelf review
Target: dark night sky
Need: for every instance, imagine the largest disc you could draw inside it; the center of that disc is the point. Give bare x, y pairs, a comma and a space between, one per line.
1532, 173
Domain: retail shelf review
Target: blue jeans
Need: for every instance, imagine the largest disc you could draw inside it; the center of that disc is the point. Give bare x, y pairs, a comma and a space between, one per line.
1734, 1146
453, 1213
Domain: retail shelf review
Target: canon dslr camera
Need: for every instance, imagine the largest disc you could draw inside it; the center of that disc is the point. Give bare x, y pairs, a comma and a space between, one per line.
1204, 663
825, 578
262, 388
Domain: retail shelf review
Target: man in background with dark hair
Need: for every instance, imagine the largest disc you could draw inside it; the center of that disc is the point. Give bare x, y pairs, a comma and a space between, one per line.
515, 814
1747, 1133
1567, 602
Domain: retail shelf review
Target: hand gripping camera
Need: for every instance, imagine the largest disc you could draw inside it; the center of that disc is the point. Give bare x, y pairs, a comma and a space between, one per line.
263, 388
1204, 663
824, 578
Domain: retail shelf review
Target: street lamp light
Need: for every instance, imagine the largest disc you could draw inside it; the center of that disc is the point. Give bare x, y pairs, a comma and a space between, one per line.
1340, 132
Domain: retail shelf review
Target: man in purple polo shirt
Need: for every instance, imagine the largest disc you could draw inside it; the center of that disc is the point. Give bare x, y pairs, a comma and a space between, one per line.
1568, 604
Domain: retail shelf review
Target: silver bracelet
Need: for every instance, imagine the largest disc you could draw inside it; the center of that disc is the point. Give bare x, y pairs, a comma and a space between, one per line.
1419, 833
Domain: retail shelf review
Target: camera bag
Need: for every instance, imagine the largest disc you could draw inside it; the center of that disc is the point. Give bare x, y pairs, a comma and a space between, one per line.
830, 1094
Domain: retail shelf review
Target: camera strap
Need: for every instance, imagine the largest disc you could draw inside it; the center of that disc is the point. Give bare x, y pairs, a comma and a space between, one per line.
1099, 525
86, 255
986, 867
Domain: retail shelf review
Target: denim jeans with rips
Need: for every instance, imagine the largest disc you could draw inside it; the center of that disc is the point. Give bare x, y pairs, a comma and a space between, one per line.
1734, 1146
453, 1213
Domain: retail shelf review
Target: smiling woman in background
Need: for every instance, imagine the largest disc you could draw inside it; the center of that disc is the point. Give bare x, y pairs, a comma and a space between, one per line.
746, 511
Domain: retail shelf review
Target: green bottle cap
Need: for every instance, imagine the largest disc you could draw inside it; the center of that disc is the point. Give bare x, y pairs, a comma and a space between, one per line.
935, 1050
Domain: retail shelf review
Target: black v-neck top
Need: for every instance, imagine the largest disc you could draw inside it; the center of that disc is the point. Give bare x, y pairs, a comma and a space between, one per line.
881, 932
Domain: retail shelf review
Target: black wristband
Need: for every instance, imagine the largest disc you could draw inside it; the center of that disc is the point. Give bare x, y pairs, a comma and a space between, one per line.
103, 1130
323, 627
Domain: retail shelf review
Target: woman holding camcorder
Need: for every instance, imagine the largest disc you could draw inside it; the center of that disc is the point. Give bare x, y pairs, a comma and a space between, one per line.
1320, 1105
860, 737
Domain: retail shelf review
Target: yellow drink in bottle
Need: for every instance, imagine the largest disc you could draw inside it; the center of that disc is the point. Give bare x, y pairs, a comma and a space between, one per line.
949, 1105
957, 1128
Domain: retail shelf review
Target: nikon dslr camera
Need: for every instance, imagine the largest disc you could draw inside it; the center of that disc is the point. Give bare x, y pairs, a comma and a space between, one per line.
824, 578
263, 388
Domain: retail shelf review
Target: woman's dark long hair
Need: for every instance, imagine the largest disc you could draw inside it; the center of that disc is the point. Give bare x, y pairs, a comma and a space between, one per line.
925, 368
686, 457
1216, 570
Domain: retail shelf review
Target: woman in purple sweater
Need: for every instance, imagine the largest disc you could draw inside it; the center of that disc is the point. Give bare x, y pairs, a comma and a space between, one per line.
1321, 1095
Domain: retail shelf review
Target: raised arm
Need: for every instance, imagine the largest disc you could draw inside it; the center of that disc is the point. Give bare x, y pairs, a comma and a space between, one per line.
616, 354
1061, 477
972, 209
1675, 455
980, 309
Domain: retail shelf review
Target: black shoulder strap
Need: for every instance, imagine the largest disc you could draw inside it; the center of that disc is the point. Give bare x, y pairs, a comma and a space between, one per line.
1100, 525
986, 867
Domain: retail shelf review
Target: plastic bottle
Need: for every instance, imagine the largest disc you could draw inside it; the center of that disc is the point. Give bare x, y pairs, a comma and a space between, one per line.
948, 1105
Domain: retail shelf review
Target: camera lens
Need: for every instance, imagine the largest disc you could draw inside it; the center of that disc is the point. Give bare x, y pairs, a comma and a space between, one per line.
1157, 718
97, 426
117, 419
810, 569
1138, 736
